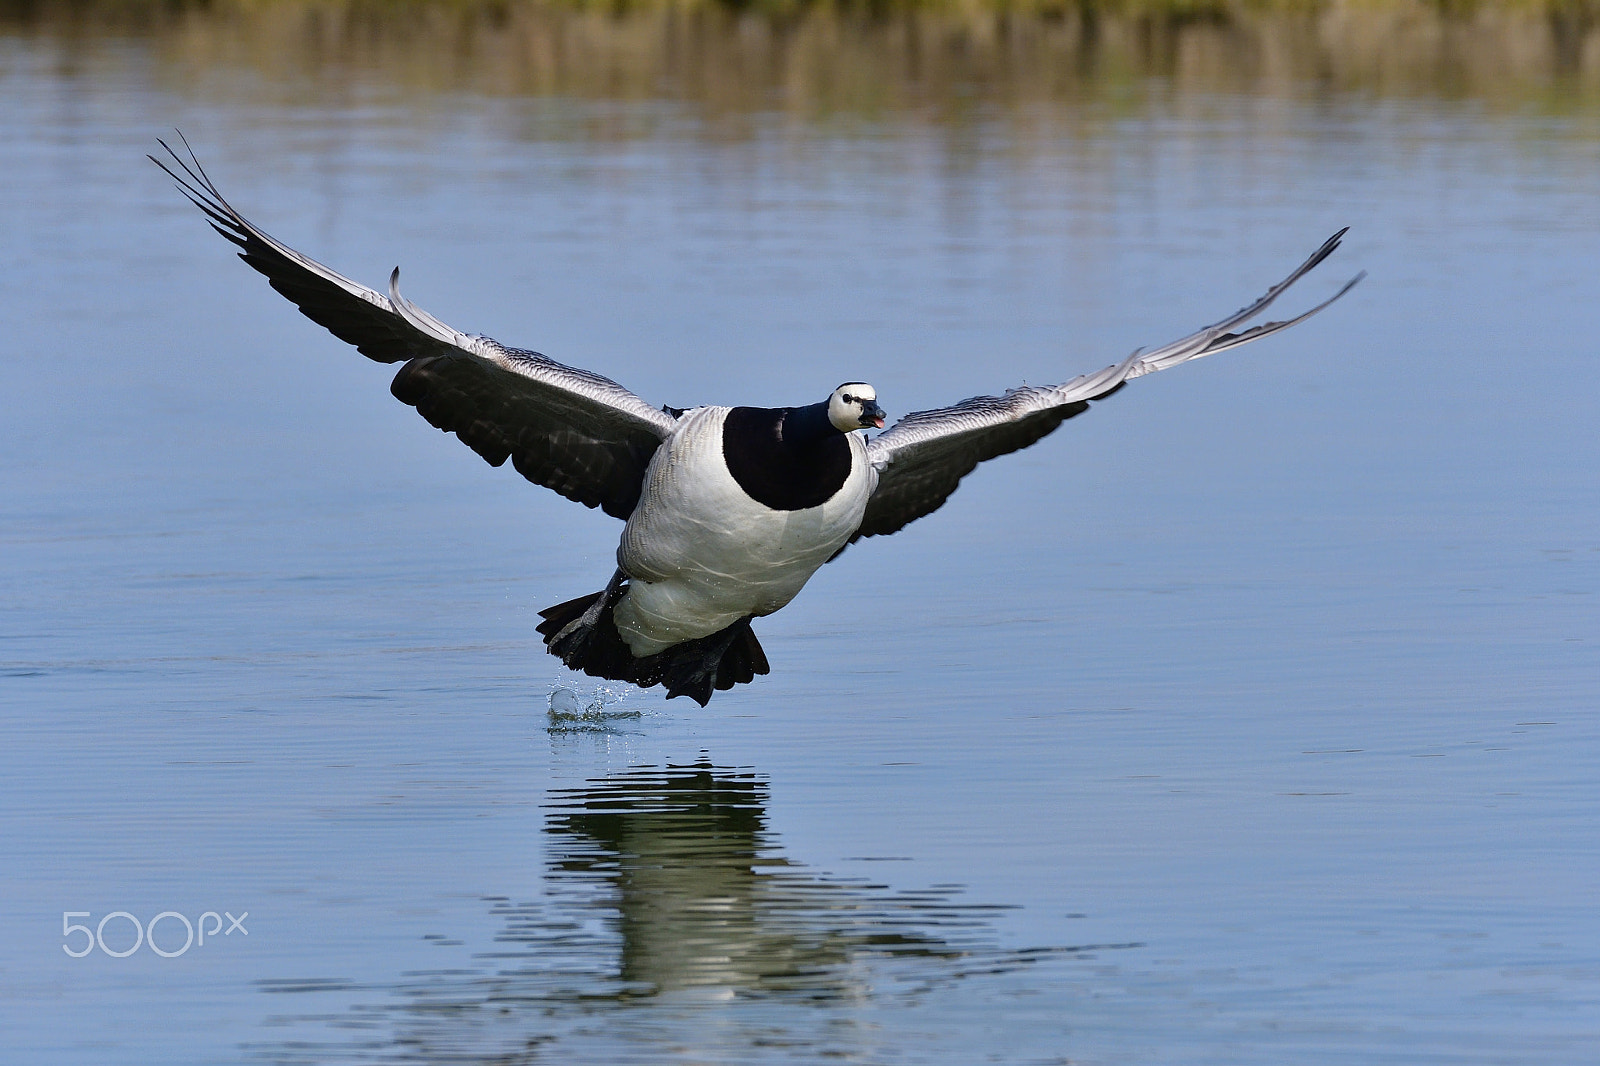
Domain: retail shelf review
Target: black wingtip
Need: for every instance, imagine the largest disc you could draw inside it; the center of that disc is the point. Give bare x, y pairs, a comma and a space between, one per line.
1329, 246
198, 186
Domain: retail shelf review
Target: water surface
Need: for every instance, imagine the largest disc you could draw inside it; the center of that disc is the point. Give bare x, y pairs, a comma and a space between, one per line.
1248, 719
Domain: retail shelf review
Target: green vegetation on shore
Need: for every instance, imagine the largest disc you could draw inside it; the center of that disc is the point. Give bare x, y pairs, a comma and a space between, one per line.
864, 56
1581, 11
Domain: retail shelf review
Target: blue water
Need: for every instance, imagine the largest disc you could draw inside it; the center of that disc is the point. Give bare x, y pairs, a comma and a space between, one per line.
1248, 719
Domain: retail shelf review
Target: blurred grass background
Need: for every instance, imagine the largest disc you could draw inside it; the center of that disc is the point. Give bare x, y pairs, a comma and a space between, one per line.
822, 55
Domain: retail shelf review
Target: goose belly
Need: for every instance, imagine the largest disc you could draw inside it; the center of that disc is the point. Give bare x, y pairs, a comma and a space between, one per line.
701, 554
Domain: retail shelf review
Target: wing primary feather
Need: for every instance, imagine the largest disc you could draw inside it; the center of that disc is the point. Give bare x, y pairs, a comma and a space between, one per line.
1201, 342
922, 458
1233, 340
571, 430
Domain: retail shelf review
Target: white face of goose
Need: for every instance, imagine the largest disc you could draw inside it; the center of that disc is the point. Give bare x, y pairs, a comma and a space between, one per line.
854, 405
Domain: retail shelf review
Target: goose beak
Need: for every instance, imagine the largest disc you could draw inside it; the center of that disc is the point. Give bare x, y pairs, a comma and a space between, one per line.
871, 415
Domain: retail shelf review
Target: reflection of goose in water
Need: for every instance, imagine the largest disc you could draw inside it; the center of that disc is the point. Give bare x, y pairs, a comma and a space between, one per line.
729, 510
702, 899
669, 916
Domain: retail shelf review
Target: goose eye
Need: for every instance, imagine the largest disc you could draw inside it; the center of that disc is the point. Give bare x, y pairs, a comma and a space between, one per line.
847, 398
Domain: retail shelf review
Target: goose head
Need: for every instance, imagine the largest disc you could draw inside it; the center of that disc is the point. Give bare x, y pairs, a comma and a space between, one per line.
854, 405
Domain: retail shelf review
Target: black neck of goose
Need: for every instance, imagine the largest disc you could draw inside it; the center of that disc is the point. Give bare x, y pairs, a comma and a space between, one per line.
804, 426
786, 458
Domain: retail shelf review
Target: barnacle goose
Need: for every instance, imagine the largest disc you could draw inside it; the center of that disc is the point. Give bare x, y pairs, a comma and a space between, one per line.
729, 511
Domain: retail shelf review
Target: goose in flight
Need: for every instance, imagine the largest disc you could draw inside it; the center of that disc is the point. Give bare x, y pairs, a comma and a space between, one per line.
728, 511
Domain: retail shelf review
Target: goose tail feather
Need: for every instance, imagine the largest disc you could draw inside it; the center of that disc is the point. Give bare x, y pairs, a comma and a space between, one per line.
581, 634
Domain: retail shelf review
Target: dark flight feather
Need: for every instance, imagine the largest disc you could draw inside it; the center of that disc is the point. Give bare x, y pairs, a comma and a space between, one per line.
573, 431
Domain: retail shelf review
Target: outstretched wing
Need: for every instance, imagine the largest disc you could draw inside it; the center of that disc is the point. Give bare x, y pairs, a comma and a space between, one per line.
923, 457
578, 433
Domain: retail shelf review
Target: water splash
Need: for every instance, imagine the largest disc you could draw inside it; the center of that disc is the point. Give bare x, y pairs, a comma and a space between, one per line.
572, 712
